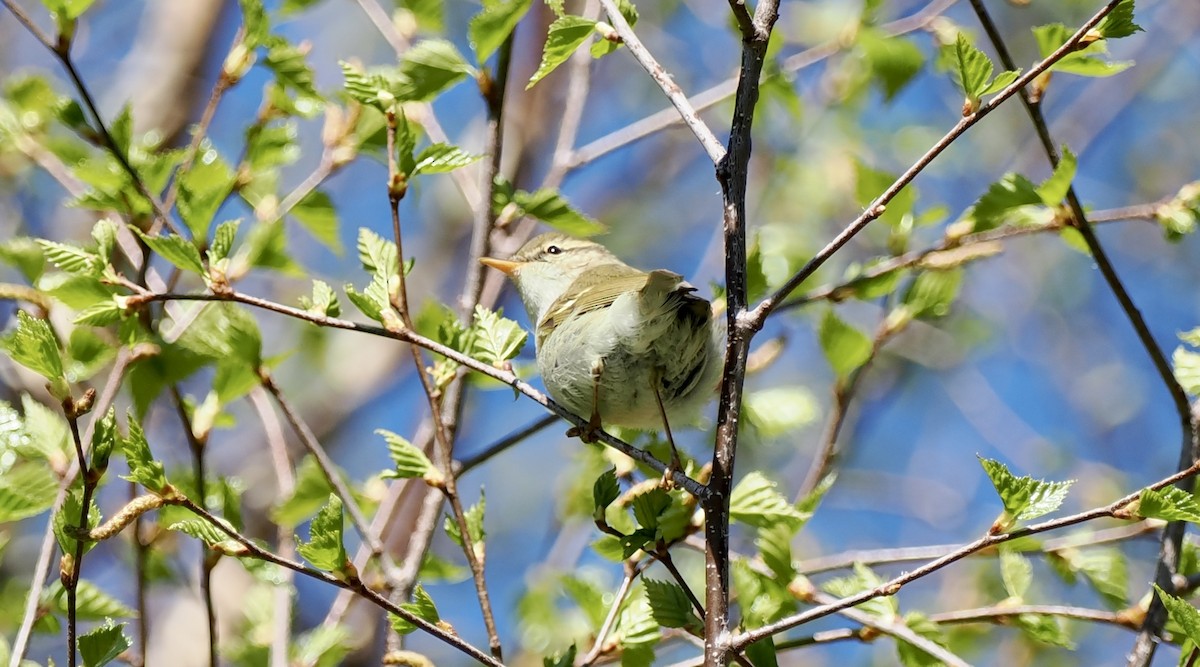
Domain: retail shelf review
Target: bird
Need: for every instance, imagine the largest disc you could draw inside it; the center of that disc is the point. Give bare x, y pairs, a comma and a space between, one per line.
624, 347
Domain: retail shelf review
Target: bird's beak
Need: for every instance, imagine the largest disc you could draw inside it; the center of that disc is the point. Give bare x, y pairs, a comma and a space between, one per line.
505, 266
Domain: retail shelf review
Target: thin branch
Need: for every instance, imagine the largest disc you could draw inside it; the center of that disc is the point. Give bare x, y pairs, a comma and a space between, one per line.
632, 570
71, 570
756, 318
710, 97
328, 468
285, 479
896, 628
397, 187
1002, 613
893, 586
712, 145
683, 481
350, 584
1172, 539
514, 438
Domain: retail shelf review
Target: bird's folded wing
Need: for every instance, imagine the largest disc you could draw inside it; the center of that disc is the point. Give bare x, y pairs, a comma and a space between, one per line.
604, 284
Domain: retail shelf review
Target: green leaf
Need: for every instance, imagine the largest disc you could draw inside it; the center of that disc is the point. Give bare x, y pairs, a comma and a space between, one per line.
104, 440
430, 67
870, 183
1182, 613
143, 469
755, 501
66, 521
550, 207
1024, 498
1054, 190
495, 339
1002, 81
203, 188
225, 332
845, 347
1010, 192
325, 548
323, 302
864, 579
71, 259
1016, 572
293, 74
203, 530
1187, 369
409, 461
422, 607
369, 88
636, 627
91, 603
102, 645
775, 547
441, 158
893, 61
222, 241
377, 254
176, 250
474, 517
564, 659
1045, 629
762, 653
316, 214
1107, 572
33, 345
1169, 504
100, 314
311, 491
254, 18
26, 490
974, 68
1119, 22
566, 35
493, 24
650, 506
932, 292
67, 10
605, 490
670, 606
23, 254
777, 411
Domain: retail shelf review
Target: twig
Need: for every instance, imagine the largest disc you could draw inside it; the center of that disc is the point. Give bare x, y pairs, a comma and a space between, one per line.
896, 628
70, 572
722, 91
397, 186
758, 316
1001, 613
285, 478
894, 585
351, 584
209, 559
683, 481
632, 570
327, 466
712, 146
732, 173
41, 568
487, 453
1172, 539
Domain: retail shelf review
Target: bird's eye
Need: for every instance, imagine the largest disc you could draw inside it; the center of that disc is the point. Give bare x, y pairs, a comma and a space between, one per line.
553, 250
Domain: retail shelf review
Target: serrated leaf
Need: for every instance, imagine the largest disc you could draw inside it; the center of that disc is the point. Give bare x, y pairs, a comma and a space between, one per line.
409, 461
932, 292
311, 491
1044, 629
102, 645
474, 518
1182, 613
26, 490
864, 579
143, 469
66, 521
323, 301
493, 24
71, 259
670, 606
605, 490
1010, 192
893, 60
225, 333
649, 507
1054, 189
430, 67
223, 238
566, 34
974, 68
1119, 22
1016, 573
755, 501
254, 18
100, 314
203, 188
377, 254
369, 88
494, 338
1002, 81
316, 213
1169, 504
552, 209
636, 626
325, 548
91, 603
845, 347
440, 159
1025, 498
774, 545
176, 250
292, 74
422, 607
33, 345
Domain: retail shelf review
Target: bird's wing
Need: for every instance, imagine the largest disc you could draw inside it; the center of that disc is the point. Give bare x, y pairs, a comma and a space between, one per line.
607, 282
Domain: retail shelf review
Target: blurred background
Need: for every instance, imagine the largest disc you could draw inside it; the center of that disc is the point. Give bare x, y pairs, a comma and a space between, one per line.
1034, 365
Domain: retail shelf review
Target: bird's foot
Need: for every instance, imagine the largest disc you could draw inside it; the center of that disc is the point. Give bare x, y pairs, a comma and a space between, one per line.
588, 433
